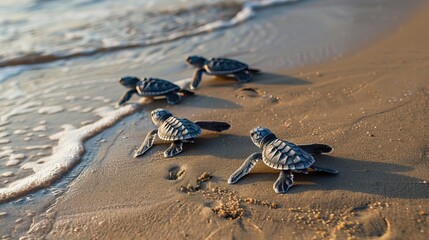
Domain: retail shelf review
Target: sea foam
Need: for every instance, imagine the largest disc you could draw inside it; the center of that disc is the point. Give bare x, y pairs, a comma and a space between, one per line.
64, 156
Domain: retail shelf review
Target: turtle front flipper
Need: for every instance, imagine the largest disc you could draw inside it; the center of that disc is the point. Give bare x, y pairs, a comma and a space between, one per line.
316, 148
126, 96
173, 98
198, 75
321, 169
284, 182
175, 148
243, 76
147, 143
245, 168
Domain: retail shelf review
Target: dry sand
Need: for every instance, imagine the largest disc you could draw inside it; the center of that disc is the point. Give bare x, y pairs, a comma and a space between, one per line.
372, 107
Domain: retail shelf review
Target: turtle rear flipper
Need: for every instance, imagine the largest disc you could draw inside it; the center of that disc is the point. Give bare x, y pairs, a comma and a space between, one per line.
321, 169
213, 125
316, 148
284, 182
243, 76
173, 98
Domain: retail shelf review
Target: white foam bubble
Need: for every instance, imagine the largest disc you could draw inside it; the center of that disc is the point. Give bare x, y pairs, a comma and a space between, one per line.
64, 156
6, 152
40, 128
70, 98
51, 109
86, 110
4, 134
104, 111
247, 12
4, 141
24, 108
19, 132
75, 109
15, 159
37, 147
7, 174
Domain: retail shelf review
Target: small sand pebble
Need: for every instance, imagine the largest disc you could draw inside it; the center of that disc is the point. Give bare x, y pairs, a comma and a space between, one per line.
2, 214
4, 141
204, 177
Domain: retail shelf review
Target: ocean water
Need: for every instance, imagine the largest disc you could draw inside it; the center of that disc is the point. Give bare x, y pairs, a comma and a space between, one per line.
45, 31
60, 62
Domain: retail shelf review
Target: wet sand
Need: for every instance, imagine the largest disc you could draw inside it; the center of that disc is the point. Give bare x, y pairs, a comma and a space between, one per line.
372, 107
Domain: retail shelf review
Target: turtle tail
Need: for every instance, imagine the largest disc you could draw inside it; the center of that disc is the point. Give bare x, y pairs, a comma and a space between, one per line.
213, 125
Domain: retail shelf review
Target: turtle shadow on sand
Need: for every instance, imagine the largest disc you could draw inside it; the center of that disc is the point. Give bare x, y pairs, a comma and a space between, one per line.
203, 101
383, 179
262, 78
266, 78
204, 145
197, 101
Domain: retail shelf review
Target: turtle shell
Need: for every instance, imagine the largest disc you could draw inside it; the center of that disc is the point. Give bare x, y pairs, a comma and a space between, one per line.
224, 66
284, 155
155, 87
173, 129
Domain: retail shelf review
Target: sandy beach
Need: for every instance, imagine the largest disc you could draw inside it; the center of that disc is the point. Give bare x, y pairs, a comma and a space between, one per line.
371, 106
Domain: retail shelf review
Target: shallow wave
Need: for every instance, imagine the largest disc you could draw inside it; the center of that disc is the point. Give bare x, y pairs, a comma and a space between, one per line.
65, 155
91, 32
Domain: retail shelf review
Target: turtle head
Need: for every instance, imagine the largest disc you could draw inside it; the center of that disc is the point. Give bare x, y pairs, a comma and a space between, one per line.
196, 61
129, 81
261, 136
160, 115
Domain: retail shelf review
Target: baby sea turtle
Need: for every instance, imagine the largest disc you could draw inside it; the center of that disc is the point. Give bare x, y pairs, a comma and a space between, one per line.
281, 155
176, 130
151, 87
219, 67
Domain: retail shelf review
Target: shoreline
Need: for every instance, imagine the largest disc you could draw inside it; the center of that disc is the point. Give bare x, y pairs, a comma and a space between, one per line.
337, 102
